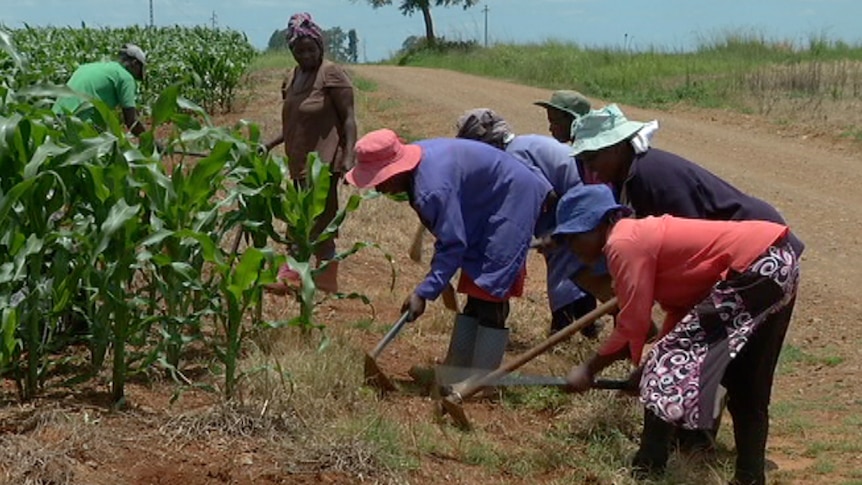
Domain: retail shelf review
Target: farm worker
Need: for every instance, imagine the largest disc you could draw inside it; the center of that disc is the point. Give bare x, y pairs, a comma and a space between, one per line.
317, 116
114, 83
654, 182
563, 109
482, 206
553, 161
728, 288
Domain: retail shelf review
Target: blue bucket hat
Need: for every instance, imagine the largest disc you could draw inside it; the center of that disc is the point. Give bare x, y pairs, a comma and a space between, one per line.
602, 128
583, 208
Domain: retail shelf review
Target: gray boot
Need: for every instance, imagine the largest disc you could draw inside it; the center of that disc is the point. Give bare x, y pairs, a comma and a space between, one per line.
490, 347
459, 357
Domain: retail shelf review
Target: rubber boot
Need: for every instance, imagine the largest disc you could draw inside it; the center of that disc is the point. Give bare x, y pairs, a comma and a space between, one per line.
490, 348
327, 280
651, 458
459, 357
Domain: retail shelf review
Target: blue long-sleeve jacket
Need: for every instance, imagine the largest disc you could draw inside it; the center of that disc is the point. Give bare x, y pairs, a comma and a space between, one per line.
554, 161
482, 206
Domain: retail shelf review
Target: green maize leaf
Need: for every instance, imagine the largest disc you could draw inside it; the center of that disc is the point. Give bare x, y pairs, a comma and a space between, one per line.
166, 105
200, 182
9, 343
98, 175
209, 248
246, 272
43, 153
8, 201
319, 180
119, 214
184, 269
92, 148
9, 47
157, 237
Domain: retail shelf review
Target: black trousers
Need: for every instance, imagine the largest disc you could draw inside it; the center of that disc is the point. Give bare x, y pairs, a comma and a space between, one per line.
564, 316
748, 380
489, 313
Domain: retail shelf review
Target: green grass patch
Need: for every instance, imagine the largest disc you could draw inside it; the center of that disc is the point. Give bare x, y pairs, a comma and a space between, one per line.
386, 438
824, 466
536, 399
735, 70
791, 356
272, 60
364, 85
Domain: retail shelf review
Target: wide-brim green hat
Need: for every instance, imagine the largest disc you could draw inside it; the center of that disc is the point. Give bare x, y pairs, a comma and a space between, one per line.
602, 128
572, 102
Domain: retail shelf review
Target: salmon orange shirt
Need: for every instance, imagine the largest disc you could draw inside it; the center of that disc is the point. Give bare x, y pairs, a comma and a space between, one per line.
674, 262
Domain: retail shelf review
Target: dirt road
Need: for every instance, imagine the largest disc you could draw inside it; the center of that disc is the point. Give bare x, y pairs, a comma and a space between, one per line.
816, 186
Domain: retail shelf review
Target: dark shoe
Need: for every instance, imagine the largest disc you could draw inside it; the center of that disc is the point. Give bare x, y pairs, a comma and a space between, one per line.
645, 466
747, 481
651, 458
694, 441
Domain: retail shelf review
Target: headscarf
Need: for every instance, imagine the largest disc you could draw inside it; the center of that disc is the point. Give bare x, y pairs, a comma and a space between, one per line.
485, 125
301, 25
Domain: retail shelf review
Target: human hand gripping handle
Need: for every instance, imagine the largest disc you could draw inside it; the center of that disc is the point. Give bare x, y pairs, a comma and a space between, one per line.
414, 304
580, 379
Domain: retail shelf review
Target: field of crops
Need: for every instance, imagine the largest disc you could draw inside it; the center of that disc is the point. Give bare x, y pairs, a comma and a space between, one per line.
106, 253
208, 64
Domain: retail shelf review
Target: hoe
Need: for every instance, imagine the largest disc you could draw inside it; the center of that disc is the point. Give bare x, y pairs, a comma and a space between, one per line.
452, 403
373, 375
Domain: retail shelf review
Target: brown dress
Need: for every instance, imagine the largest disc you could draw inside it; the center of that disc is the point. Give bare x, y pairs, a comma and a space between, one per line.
311, 123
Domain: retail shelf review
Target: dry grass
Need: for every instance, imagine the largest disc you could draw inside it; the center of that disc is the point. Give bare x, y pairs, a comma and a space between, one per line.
27, 461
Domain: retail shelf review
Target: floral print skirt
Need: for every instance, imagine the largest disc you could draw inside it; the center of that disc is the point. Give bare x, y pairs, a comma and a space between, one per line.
683, 371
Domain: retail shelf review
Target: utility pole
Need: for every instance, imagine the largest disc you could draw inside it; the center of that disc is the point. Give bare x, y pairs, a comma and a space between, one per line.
213, 19
485, 10
151, 13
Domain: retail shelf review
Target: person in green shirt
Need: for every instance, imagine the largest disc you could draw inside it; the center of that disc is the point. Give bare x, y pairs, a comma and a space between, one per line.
113, 82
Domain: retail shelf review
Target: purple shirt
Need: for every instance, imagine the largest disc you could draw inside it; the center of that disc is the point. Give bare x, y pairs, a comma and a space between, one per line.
554, 161
482, 206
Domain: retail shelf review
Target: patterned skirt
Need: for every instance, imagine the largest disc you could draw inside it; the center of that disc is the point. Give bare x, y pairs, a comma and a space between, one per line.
683, 371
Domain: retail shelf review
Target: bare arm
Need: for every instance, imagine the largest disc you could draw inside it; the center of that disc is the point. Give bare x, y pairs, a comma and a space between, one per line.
274, 142
343, 100
130, 117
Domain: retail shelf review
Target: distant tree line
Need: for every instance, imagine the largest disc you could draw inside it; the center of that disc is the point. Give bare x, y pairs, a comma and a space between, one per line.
340, 46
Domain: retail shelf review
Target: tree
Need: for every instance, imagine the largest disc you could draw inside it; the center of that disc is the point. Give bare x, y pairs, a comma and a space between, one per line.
277, 40
336, 43
352, 46
409, 7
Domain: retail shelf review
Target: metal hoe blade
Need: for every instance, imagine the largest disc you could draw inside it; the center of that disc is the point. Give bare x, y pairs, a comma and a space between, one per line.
452, 403
373, 375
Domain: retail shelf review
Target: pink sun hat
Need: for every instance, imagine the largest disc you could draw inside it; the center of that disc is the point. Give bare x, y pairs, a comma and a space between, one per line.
380, 155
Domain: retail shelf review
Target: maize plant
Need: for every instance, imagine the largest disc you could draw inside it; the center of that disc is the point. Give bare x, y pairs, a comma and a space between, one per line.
98, 242
208, 63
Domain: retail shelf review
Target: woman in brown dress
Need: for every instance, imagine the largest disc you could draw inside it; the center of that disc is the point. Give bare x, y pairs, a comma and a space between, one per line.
317, 116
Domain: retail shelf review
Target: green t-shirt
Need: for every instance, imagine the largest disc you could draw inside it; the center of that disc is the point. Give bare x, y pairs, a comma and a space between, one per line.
108, 81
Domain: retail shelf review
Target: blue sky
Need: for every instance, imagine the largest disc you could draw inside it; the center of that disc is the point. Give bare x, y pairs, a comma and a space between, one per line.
672, 24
